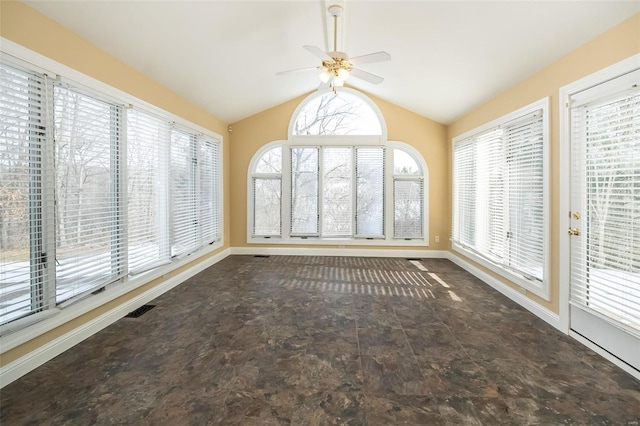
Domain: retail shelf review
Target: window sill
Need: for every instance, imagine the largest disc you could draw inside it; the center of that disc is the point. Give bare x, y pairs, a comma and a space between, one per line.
539, 288
315, 241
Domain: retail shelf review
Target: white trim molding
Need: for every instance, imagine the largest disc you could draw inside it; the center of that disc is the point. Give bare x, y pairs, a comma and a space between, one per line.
358, 252
565, 93
521, 299
538, 287
606, 355
33, 360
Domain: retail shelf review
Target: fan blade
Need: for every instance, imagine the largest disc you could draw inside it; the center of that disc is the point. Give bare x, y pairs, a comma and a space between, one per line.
370, 58
366, 76
297, 70
316, 51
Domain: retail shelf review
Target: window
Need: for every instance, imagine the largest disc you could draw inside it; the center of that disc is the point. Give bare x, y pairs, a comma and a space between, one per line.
267, 194
88, 213
74, 216
408, 193
336, 178
339, 113
147, 195
184, 222
194, 161
25, 282
304, 191
338, 192
500, 197
370, 172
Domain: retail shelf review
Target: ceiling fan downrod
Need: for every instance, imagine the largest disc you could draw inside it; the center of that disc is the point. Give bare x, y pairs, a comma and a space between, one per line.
335, 11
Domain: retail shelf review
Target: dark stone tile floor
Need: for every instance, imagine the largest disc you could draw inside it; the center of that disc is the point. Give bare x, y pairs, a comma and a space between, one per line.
327, 340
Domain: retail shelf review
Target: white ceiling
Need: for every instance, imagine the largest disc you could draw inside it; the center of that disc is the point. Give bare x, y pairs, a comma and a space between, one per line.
447, 56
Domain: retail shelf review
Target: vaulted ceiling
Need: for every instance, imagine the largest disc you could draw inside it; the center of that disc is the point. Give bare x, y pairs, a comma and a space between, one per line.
447, 56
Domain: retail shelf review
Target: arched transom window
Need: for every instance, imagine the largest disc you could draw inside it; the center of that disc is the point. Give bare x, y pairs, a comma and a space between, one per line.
337, 178
340, 113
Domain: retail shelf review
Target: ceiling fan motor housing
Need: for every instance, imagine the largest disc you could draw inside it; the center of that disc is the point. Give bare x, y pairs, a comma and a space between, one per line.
335, 10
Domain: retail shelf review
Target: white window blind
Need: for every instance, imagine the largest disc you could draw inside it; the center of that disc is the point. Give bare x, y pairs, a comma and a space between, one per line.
525, 192
74, 215
267, 194
489, 197
147, 190
304, 191
605, 268
408, 196
184, 202
25, 284
208, 162
498, 195
89, 213
337, 186
408, 207
369, 192
337, 191
464, 190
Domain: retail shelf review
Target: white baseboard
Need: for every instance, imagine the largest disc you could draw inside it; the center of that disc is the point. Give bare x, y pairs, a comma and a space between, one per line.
541, 312
360, 252
33, 360
597, 349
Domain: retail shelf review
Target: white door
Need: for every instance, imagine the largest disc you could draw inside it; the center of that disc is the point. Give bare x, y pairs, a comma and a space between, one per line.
605, 216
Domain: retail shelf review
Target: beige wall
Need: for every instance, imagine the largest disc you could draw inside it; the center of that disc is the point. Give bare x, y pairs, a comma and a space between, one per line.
27, 27
613, 46
425, 135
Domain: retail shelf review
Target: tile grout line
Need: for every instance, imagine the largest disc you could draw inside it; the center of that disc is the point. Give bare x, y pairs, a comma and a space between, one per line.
355, 323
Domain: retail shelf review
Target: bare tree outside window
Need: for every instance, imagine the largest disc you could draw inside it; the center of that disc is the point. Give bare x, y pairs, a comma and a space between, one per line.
22, 138
408, 196
612, 172
370, 191
336, 185
337, 191
338, 113
304, 191
267, 193
86, 135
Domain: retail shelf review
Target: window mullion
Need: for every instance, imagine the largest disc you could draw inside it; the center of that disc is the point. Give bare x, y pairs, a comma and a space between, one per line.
320, 225
389, 189
119, 253
285, 193
507, 205
198, 164
48, 200
354, 192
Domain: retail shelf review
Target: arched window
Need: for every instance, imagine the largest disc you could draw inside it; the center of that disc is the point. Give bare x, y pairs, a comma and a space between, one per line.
340, 113
337, 179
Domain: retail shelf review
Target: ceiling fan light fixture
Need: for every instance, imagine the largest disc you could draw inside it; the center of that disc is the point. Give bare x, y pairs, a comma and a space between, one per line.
325, 76
336, 66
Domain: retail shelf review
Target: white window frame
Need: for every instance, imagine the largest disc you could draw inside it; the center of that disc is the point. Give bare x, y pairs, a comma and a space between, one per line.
597, 78
27, 328
407, 178
334, 141
539, 288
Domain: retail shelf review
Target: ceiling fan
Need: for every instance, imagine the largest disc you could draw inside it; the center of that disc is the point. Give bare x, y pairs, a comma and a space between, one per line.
337, 66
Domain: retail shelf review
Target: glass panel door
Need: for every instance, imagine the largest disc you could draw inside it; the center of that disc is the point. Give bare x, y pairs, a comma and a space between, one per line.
605, 217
